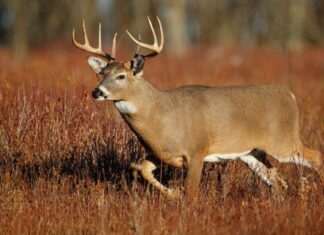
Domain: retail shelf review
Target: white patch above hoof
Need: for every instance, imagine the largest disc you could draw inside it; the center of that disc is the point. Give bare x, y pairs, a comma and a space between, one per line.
125, 107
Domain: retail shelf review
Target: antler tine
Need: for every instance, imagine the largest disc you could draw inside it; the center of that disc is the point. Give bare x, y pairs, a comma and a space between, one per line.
87, 47
155, 47
113, 49
138, 47
74, 40
155, 43
99, 37
161, 34
86, 40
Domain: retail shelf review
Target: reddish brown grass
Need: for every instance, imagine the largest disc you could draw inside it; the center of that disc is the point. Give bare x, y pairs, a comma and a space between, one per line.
64, 158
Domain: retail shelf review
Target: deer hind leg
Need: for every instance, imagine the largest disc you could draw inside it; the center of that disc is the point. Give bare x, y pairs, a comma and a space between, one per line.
269, 175
307, 157
146, 168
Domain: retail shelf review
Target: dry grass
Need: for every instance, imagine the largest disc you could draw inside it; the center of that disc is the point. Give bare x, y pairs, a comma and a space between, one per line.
64, 158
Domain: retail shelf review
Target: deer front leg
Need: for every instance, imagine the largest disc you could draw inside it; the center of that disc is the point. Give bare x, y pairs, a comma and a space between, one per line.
146, 168
193, 178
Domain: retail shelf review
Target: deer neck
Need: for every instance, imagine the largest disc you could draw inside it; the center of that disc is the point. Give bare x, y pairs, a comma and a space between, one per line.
144, 112
141, 105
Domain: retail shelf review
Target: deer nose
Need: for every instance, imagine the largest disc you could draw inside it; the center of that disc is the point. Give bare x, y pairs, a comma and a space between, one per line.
96, 93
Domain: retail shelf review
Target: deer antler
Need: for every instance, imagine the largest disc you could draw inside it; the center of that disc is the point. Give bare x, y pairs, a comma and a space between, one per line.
87, 47
155, 47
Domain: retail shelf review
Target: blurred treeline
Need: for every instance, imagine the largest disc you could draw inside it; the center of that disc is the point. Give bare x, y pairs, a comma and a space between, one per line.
285, 24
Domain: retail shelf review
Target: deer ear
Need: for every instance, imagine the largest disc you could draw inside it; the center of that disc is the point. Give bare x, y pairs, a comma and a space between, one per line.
137, 65
97, 64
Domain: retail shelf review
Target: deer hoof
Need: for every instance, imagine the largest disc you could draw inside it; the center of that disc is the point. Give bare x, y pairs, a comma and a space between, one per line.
173, 193
136, 167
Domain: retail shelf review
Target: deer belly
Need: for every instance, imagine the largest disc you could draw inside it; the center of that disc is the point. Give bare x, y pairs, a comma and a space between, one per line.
218, 157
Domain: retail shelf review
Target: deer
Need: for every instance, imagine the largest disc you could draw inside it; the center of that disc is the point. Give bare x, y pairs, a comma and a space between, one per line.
189, 125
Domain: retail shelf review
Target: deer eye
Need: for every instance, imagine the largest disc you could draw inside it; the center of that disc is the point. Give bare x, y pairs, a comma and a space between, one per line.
121, 76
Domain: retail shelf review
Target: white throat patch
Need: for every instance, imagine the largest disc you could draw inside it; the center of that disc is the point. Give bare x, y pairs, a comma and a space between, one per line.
125, 107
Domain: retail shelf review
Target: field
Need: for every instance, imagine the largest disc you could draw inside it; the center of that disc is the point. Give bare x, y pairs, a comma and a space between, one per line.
64, 158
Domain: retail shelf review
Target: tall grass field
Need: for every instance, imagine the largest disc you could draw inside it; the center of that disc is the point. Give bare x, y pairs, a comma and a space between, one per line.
65, 158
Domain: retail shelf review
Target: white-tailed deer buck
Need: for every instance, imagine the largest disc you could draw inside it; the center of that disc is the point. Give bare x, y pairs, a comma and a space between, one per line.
190, 125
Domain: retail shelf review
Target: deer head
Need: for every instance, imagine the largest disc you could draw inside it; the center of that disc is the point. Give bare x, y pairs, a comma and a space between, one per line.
121, 79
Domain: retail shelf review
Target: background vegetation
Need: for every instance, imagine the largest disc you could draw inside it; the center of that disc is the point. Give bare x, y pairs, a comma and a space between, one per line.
285, 24
64, 158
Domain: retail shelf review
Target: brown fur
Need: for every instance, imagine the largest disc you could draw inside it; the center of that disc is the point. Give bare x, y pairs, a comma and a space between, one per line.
314, 157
